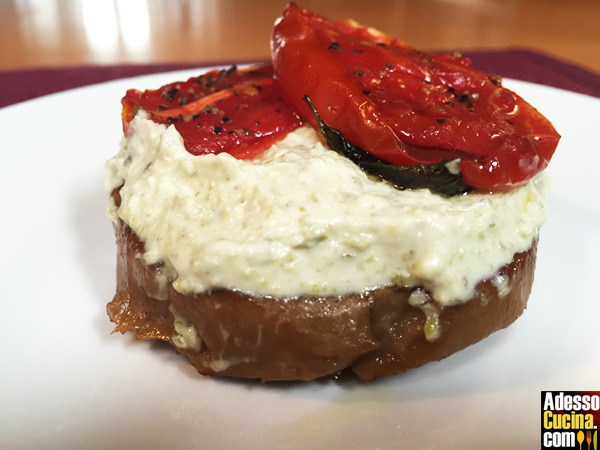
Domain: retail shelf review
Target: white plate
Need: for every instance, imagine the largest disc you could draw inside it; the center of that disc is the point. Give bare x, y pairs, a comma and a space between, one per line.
67, 382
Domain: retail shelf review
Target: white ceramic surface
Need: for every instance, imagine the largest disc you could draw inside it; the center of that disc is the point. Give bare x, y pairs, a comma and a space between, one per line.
66, 382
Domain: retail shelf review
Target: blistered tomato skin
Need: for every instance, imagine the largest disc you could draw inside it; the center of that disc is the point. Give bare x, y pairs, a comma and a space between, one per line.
236, 111
408, 107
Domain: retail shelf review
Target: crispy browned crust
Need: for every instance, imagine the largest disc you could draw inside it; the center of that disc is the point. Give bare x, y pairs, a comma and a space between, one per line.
375, 333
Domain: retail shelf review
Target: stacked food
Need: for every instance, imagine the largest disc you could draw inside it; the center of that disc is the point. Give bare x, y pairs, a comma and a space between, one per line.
355, 204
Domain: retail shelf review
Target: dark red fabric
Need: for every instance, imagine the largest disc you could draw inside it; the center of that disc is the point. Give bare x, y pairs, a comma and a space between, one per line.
537, 68
20, 85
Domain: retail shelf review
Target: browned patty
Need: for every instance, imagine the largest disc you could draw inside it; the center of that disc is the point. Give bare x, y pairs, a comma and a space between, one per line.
375, 333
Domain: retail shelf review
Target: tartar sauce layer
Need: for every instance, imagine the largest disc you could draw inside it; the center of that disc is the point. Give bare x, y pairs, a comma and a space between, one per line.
302, 219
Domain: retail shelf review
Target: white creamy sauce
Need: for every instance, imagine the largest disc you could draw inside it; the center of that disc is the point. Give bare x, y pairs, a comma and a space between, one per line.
419, 299
186, 336
219, 365
501, 283
303, 219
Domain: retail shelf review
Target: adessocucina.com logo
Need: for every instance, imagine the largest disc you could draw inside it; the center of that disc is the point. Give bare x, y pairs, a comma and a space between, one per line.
570, 419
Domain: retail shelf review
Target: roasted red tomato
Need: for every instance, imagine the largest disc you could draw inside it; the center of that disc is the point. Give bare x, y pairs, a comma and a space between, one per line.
408, 107
236, 111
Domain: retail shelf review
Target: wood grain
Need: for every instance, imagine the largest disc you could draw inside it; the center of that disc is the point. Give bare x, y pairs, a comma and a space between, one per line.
52, 33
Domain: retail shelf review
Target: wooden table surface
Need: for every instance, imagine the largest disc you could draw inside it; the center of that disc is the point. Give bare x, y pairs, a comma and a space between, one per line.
58, 33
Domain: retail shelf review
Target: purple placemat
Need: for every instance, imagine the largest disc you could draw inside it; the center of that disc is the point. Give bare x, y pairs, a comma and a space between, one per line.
20, 85
537, 68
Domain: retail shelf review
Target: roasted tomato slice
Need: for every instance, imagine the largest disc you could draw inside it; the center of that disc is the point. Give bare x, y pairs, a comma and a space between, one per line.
236, 111
408, 107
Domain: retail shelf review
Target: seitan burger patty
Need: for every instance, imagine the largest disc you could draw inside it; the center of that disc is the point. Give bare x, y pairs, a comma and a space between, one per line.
376, 332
